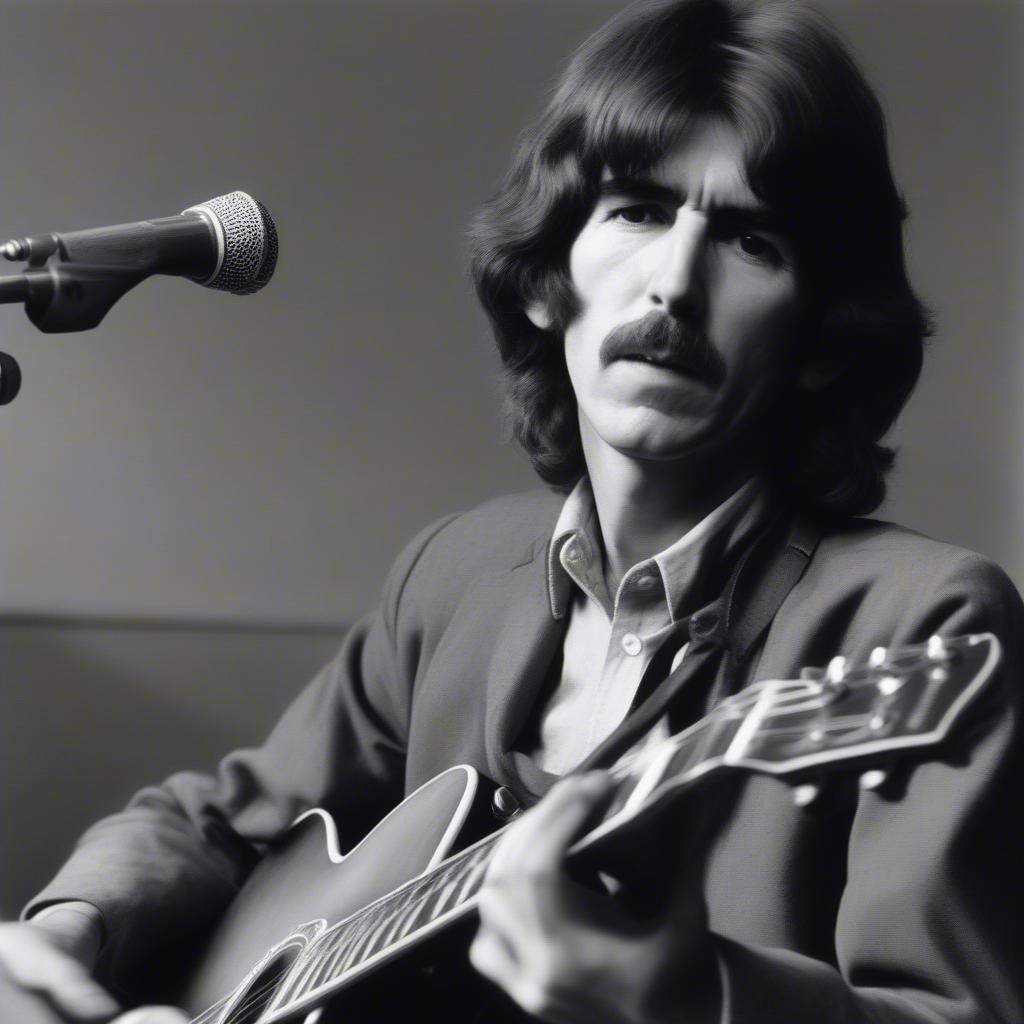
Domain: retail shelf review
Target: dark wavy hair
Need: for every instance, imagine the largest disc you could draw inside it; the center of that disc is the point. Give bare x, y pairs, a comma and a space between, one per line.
815, 147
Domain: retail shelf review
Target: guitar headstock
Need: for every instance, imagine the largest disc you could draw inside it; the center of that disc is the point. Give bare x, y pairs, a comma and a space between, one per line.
851, 714
898, 698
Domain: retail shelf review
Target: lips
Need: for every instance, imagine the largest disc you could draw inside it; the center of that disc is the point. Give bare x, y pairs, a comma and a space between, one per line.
665, 360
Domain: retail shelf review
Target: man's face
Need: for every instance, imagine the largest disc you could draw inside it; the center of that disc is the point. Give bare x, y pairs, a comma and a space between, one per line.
687, 334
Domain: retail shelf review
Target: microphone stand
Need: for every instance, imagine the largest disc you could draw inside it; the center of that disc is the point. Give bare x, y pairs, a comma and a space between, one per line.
10, 378
60, 295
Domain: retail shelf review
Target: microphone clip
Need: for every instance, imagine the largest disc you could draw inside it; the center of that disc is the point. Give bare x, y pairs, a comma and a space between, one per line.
62, 295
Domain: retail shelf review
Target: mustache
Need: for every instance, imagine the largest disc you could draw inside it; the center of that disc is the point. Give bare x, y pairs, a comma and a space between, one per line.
661, 338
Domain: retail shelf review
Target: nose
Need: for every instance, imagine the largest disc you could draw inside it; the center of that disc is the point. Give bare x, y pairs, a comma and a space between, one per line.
678, 282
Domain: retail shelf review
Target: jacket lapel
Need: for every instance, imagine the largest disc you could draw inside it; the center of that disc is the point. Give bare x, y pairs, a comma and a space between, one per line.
527, 639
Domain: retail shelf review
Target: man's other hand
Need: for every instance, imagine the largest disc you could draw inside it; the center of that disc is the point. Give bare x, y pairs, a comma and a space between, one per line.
571, 955
43, 980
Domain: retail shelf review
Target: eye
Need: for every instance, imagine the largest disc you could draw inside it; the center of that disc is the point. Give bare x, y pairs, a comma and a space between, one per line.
758, 248
753, 245
638, 215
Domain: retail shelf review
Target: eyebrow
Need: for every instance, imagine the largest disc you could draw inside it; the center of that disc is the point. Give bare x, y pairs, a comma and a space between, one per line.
749, 215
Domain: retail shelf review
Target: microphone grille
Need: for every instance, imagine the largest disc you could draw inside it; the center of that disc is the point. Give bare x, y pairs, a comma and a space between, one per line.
247, 239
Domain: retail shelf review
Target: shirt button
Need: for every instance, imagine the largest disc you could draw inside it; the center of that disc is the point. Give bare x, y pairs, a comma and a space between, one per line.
572, 552
644, 582
632, 644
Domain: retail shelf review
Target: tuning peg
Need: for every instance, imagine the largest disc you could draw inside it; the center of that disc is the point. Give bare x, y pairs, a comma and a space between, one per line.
835, 676
873, 779
889, 684
938, 652
878, 657
805, 794
836, 671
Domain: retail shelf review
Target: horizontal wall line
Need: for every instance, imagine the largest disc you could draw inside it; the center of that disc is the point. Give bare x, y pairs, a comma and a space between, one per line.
169, 623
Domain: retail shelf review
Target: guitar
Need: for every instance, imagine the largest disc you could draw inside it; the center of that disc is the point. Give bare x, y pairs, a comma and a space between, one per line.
310, 926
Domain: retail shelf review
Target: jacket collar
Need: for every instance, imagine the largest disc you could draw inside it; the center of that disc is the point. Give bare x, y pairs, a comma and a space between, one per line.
689, 570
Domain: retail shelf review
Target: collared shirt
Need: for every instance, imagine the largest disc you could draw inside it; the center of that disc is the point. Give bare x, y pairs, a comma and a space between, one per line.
610, 641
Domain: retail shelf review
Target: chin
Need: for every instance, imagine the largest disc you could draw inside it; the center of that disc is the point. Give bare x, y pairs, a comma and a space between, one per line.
655, 436
659, 448
662, 453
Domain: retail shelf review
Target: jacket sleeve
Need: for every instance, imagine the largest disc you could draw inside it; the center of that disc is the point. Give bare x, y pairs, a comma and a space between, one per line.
929, 924
162, 870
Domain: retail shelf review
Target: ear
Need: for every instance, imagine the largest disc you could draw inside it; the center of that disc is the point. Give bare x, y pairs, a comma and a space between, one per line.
538, 315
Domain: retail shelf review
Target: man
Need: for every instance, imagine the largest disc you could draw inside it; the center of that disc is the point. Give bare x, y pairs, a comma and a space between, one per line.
695, 275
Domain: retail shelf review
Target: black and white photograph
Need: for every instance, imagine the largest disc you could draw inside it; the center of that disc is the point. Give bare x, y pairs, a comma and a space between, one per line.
511, 510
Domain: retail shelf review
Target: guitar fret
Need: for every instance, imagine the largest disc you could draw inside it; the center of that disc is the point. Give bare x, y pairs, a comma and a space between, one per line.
428, 904
701, 745
392, 912
698, 744
435, 891
353, 953
396, 915
329, 966
443, 894
411, 919
374, 945
421, 915
473, 880
345, 955
359, 933
300, 981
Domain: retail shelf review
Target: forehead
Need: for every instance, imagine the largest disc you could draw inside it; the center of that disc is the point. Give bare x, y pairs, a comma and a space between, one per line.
705, 168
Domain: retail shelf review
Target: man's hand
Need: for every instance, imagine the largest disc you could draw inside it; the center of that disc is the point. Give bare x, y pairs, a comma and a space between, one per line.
569, 955
44, 979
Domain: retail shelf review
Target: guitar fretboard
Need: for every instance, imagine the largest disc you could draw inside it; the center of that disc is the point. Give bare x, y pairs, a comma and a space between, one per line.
447, 893
377, 929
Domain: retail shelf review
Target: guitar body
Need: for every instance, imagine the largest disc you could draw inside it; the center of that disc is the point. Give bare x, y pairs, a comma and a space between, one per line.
304, 885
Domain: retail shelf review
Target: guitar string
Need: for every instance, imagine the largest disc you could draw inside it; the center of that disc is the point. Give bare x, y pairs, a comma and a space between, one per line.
253, 998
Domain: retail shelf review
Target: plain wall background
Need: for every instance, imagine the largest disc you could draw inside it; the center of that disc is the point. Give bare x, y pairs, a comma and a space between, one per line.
209, 458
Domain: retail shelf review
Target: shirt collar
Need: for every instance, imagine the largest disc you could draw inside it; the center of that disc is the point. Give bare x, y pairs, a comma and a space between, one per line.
686, 567
576, 522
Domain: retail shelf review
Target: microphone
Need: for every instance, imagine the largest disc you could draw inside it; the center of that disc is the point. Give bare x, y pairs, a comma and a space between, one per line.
74, 277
